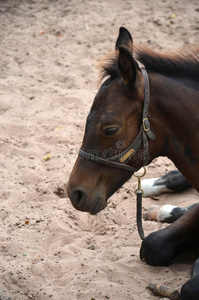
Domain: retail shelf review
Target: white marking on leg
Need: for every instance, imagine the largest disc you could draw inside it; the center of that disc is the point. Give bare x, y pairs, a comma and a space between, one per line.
150, 189
165, 212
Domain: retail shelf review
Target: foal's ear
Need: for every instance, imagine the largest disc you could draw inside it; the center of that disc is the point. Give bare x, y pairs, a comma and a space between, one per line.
127, 67
124, 38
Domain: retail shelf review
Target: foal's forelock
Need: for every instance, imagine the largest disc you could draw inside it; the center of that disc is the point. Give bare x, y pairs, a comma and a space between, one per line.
182, 63
108, 65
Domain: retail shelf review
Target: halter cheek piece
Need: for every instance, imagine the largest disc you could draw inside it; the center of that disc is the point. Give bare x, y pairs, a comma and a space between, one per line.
145, 133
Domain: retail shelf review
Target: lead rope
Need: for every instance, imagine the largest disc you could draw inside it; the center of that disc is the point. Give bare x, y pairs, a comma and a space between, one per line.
139, 192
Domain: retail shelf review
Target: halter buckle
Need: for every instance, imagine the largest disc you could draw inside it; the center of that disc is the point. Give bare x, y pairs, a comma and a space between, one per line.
146, 124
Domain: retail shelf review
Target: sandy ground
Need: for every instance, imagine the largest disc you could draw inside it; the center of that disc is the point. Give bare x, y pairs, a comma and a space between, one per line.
48, 78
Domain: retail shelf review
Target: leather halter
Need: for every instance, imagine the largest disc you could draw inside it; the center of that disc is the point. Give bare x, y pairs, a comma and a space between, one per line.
145, 133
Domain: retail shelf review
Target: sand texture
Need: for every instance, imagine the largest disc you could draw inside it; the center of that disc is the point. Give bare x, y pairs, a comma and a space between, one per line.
48, 79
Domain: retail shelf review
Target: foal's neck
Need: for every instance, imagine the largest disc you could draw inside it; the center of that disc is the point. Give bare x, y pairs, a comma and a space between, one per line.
174, 113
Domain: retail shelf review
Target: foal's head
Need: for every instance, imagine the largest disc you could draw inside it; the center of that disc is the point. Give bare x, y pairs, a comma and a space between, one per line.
112, 125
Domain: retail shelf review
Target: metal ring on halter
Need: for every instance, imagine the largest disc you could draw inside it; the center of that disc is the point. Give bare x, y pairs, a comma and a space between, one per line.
139, 182
142, 175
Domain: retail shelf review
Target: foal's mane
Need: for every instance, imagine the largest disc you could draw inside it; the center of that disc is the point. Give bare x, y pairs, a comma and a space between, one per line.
183, 63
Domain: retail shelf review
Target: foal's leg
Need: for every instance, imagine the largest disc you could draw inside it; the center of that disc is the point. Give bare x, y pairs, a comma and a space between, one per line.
161, 247
190, 290
173, 181
166, 213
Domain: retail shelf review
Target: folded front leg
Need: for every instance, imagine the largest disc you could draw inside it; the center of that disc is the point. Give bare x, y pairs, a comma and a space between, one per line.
161, 247
158, 248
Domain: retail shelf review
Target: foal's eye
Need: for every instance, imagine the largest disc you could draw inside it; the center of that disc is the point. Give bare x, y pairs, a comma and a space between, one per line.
111, 131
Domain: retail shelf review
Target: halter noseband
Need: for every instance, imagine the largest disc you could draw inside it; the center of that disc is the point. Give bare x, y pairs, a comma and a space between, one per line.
145, 133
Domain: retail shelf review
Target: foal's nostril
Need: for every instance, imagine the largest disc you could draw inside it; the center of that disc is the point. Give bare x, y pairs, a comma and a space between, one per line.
78, 197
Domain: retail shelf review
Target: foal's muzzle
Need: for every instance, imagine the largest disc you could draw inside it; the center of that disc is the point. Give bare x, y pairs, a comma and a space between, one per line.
80, 200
